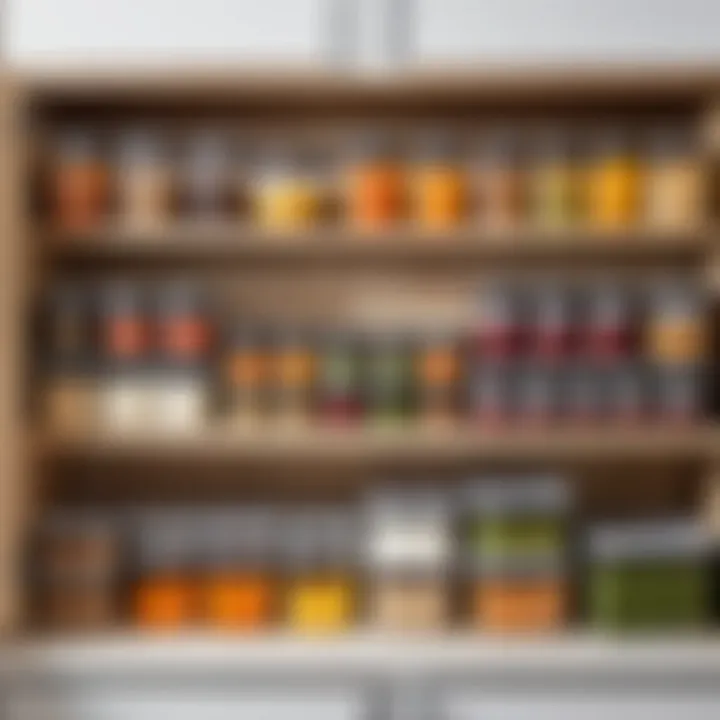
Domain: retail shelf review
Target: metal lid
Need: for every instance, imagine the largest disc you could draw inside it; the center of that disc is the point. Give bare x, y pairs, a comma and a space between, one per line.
77, 143
546, 494
140, 146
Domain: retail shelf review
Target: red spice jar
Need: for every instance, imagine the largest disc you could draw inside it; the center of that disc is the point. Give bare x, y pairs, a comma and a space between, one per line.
182, 324
499, 326
124, 331
553, 333
79, 183
608, 328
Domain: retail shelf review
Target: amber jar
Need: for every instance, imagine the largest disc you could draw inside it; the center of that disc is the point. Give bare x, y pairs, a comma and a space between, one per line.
613, 182
321, 556
166, 592
247, 371
292, 375
437, 373
238, 591
376, 185
79, 183
673, 188
499, 197
438, 185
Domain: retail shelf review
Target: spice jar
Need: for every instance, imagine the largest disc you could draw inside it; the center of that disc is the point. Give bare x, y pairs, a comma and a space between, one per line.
539, 393
238, 590
500, 195
614, 182
552, 338
608, 333
388, 378
206, 184
376, 185
408, 551
584, 392
144, 182
70, 336
500, 323
79, 182
437, 372
289, 190
491, 396
673, 188
292, 378
650, 575
676, 330
552, 181
627, 391
166, 593
438, 185
79, 570
124, 341
321, 594
247, 371
678, 394
339, 379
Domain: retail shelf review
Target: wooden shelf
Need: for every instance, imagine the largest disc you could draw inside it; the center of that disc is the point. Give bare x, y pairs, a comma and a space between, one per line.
228, 241
559, 444
359, 655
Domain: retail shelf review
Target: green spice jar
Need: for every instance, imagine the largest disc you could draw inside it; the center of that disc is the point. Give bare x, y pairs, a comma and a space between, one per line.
389, 378
648, 576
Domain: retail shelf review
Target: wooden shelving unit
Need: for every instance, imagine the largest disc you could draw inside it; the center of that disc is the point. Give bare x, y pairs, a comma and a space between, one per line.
30, 251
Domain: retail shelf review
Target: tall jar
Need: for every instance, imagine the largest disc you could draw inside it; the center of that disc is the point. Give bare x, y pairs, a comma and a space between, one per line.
554, 322
500, 183
292, 378
339, 379
500, 322
376, 185
437, 376
614, 182
673, 188
438, 185
144, 182
388, 378
79, 182
238, 592
609, 328
246, 371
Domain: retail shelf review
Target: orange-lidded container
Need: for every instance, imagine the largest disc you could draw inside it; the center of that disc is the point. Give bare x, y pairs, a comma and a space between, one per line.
292, 375
246, 368
165, 592
238, 591
437, 374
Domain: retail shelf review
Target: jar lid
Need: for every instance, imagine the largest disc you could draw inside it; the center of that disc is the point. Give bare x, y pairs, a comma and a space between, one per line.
77, 143
167, 538
541, 565
439, 145
141, 146
180, 298
80, 522
677, 297
237, 536
501, 145
399, 506
676, 140
515, 496
554, 142
499, 302
631, 540
377, 145
121, 298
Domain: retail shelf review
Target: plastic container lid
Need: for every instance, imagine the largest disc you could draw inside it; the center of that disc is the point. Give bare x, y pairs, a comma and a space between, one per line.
511, 496
656, 539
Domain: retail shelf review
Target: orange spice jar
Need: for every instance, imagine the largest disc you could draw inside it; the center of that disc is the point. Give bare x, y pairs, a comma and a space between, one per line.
165, 595
437, 372
376, 186
438, 186
247, 366
292, 372
238, 593
79, 183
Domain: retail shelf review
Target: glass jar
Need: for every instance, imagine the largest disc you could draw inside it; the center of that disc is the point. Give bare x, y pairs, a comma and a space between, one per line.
293, 378
500, 323
609, 328
376, 185
339, 379
500, 197
71, 393
439, 185
144, 182
539, 393
553, 334
388, 378
678, 394
247, 372
676, 332
437, 374
79, 182
238, 589
166, 595
552, 181
491, 396
614, 182
673, 188
649, 575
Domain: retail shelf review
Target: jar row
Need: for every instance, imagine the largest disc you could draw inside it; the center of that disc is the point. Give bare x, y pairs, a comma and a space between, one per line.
406, 559
610, 177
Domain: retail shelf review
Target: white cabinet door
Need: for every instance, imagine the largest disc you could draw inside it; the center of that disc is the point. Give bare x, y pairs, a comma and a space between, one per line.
663, 30
581, 706
130, 703
140, 31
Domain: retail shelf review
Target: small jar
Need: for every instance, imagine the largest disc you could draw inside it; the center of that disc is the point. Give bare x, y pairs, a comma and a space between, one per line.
388, 378
166, 594
437, 374
614, 183
552, 181
609, 330
71, 392
79, 183
376, 185
238, 592
206, 184
539, 399
439, 185
321, 593
500, 323
491, 395
673, 188
289, 191
584, 392
339, 379
553, 334
676, 332
292, 378
500, 196
627, 392
678, 394
144, 182
247, 366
